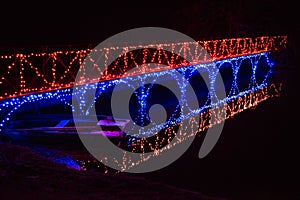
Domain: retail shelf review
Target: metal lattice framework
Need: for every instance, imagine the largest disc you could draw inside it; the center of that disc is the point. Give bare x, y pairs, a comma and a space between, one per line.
23, 74
234, 89
28, 79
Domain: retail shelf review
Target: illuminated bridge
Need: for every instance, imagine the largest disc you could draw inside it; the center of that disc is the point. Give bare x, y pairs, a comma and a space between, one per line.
34, 81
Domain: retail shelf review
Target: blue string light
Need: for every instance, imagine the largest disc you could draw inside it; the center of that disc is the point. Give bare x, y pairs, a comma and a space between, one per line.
9, 106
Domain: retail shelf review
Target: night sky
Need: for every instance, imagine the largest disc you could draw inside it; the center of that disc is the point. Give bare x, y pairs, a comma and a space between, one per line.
51, 23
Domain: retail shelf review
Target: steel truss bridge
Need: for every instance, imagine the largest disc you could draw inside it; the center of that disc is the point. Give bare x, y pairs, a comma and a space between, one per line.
36, 80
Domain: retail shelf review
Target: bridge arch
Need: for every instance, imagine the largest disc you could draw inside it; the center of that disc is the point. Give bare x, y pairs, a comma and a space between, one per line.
33, 100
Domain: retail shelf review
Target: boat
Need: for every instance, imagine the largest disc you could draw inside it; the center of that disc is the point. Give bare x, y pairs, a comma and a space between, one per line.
64, 129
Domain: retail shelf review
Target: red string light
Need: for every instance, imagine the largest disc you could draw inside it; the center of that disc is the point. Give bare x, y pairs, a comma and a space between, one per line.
247, 101
14, 66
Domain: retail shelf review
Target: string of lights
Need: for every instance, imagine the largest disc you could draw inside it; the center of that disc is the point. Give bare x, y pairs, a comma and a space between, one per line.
233, 65
207, 119
23, 74
49, 77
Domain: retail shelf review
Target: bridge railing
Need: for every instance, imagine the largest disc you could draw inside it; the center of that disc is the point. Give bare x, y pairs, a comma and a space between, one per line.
23, 74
